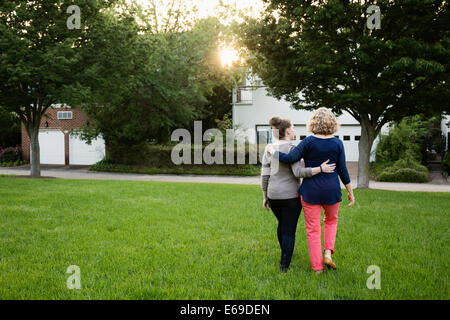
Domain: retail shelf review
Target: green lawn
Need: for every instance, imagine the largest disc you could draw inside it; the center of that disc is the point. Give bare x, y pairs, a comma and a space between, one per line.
152, 240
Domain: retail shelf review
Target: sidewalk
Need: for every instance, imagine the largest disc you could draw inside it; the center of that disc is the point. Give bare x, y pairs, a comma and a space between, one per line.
84, 173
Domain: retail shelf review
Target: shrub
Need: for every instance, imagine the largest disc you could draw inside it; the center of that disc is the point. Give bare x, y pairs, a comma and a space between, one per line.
11, 154
404, 140
154, 159
154, 155
102, 165
445, 164
405, 170
403, 175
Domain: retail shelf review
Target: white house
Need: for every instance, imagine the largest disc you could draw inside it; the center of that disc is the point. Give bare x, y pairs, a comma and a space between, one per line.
445, 126
252, 109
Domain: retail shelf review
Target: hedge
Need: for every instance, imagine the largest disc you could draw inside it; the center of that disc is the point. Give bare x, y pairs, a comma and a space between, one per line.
404, 171
154, 155
13, 163
156, 159
11, 154
445, 164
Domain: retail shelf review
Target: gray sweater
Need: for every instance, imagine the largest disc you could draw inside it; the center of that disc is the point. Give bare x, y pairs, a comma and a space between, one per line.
280, 180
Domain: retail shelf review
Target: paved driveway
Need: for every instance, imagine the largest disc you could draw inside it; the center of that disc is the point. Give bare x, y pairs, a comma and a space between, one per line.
84, 173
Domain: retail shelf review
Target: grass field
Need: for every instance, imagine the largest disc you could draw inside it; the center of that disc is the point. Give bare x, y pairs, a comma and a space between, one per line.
152, 240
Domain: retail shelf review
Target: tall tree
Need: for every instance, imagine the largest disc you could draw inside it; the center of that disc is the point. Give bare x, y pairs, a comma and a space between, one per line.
37, 59
9, 128
322, 53
141, 82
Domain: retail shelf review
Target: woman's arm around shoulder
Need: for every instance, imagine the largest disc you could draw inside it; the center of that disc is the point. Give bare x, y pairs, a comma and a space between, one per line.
343, 174
341, 164
265, 176
295, 154
301, 172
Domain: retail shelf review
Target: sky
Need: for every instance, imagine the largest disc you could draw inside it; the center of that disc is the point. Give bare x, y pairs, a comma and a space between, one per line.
207, 7
199, 9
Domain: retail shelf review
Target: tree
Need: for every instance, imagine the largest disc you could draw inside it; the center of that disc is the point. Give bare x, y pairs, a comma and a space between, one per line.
38, 59
141, 82
321, 53
218, 107
9, 128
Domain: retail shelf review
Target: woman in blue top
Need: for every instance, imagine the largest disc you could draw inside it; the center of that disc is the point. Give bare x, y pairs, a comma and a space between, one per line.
322, 190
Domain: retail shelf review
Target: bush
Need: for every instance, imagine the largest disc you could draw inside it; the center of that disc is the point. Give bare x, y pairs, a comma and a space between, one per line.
11, 154
13, 164
102, 165
404, 140
445, 164
405, 170
154, 155
156, 159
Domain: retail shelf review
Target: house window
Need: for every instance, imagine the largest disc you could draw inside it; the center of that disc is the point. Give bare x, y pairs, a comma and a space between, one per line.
302, 137
357, 138
263, 136
64, 115
346, 138
244, 95
336, 137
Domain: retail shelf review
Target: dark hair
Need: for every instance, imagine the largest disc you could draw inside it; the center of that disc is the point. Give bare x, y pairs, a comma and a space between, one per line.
281, 125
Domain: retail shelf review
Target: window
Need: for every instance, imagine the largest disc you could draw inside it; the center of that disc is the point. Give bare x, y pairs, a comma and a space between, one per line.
244, 95
263, 136
302, 137
357, 138
346, 138
336, 137
64, 115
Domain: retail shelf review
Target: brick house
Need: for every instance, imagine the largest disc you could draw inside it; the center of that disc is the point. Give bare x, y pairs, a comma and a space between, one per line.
58, 144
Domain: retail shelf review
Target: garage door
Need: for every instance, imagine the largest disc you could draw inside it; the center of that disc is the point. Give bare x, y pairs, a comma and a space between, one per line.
350, 137
51, 143
81, 153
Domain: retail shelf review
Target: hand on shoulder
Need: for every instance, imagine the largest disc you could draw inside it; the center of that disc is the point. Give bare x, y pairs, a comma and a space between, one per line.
270, 149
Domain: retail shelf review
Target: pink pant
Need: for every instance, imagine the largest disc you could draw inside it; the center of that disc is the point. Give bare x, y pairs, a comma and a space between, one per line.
313, 230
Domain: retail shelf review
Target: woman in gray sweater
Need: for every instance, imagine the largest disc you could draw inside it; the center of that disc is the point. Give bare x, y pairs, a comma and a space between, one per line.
280, 183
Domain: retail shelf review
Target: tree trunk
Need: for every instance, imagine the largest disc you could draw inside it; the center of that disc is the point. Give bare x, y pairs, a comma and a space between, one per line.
365, 146
35, 153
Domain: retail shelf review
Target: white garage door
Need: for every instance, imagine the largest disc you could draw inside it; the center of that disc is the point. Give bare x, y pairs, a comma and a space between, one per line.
51, 143
81, 153
350, 137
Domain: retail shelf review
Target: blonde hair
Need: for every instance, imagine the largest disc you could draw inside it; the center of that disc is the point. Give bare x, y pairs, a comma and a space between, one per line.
323, 121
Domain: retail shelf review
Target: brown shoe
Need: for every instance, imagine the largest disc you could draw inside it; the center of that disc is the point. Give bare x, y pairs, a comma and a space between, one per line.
329, 263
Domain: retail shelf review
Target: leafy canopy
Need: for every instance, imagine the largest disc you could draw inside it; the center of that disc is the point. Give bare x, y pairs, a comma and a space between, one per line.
323, 50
